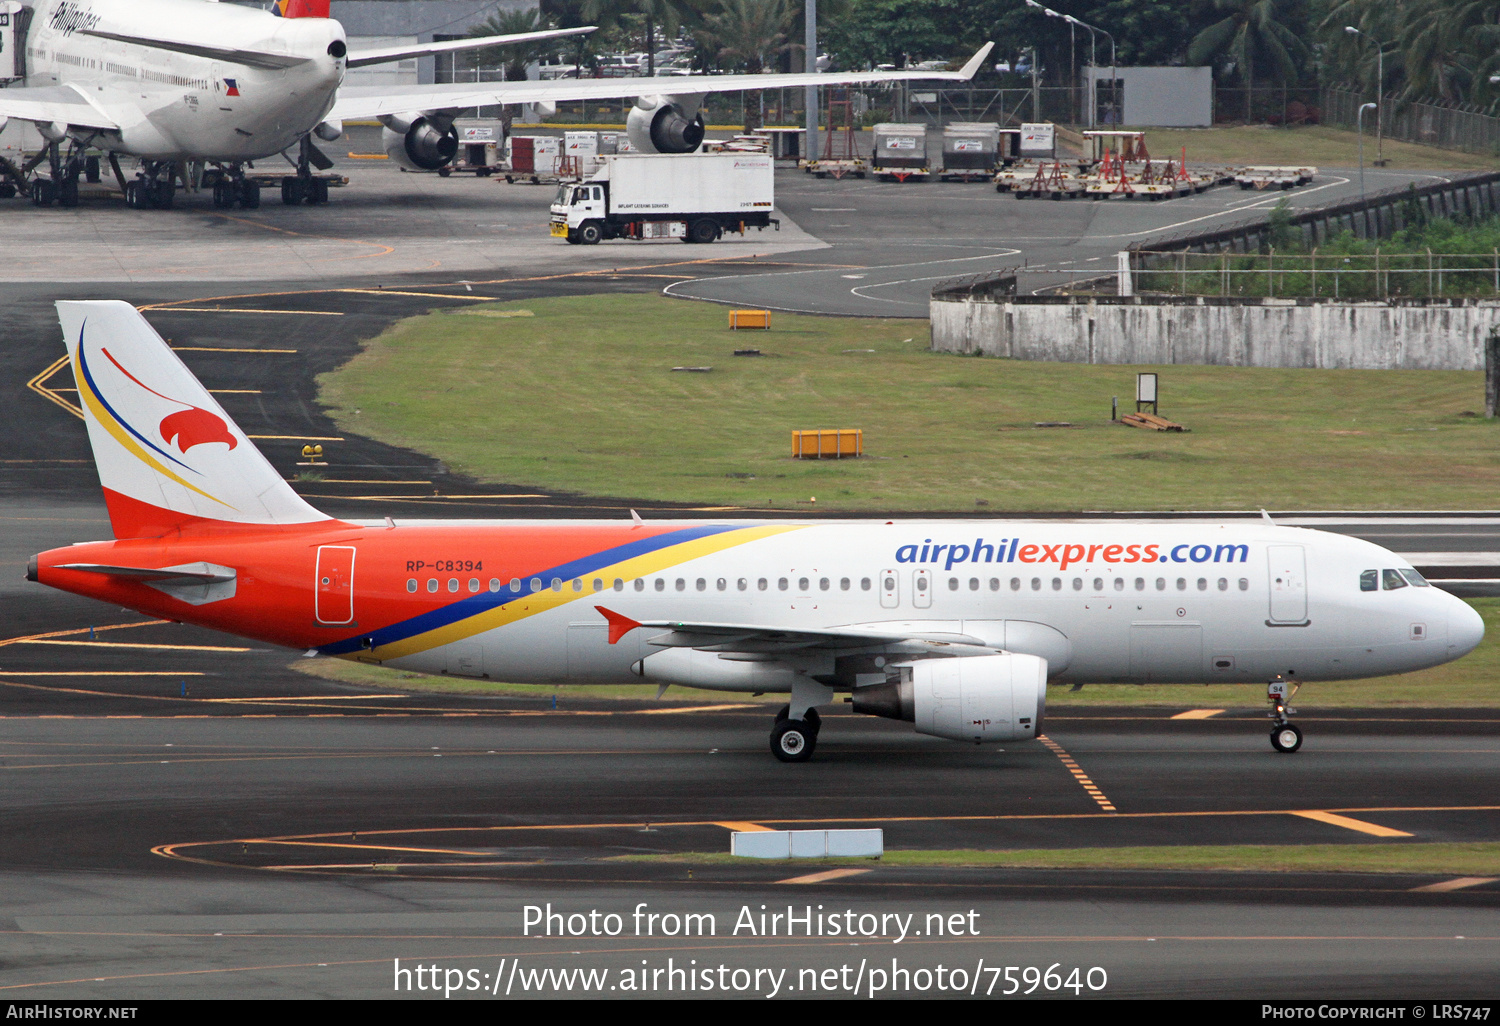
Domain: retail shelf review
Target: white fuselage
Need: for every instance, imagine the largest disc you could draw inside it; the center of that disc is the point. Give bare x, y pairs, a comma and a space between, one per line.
1230, 603
178, 106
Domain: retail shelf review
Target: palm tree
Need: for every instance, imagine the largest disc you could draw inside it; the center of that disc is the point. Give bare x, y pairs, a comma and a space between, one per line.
514, 57
1251, 31
667, 15
747, 35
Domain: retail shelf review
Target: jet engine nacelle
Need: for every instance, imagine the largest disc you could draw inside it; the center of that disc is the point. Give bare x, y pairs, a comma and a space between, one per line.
419, 142
977, 698
666, 124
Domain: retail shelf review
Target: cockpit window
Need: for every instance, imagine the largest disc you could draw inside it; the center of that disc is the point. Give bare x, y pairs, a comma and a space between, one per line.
1415, 579
1369, 580
1392, 579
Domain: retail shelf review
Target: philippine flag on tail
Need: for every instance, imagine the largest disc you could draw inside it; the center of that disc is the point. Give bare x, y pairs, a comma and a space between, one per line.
231, 87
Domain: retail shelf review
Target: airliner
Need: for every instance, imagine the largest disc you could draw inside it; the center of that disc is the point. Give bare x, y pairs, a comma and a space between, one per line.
956, 626
179, 82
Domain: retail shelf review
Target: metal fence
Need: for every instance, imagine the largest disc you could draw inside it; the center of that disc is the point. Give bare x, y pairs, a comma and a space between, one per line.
1451, 127
1378, 275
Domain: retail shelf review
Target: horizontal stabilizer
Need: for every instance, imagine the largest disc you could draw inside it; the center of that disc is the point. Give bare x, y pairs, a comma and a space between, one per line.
189, 573
251, 58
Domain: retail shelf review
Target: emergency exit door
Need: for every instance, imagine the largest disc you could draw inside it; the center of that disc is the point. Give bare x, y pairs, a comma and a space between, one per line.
333, 593
1288, 580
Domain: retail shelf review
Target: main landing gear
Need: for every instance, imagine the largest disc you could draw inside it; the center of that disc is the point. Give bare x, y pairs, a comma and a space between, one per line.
794, 740
231, 188
1285, 735
795, 734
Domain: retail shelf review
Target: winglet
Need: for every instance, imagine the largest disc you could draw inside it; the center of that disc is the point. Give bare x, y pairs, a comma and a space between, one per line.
970, 69
619, 625
635, 518
1267, 518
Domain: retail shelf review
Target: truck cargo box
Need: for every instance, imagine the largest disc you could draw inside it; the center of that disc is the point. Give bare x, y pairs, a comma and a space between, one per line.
658, 184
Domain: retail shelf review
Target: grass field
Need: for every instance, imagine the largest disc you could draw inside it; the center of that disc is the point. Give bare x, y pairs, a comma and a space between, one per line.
1479, 858
1472, 682
1319, 145
580, 396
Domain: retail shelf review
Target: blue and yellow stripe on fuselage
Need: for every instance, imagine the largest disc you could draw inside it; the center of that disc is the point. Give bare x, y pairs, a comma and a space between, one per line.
487, 611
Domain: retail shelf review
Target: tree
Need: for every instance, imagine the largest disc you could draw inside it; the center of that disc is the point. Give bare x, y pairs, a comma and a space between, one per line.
667, 15
514, 57
1251, 31
747, 35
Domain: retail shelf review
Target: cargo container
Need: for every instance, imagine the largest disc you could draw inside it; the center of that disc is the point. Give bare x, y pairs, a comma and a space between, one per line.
695, 197
971, 151
480, 145
900, 152
532, 157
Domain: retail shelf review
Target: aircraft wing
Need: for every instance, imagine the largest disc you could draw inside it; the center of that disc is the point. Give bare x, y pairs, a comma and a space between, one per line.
359, 102
45, 104
764, 638
386, 54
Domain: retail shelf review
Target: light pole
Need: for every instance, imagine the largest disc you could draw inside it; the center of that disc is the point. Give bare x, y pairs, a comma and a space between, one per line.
1361, 121
1379, 92
1114, 94
810, 94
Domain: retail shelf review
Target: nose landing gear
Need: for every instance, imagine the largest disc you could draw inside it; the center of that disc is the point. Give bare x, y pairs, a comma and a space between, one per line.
1286, 736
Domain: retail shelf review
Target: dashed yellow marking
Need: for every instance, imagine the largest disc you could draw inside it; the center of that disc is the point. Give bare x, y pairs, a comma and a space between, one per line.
1083, 778
1350, 824
1457, 884
1197, 714
823, 877
744, 828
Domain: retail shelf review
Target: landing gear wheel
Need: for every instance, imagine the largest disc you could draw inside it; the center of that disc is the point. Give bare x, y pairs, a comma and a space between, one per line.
134, 195
317, 191
223, 194
1286, 738
43, 192
249, 194
162, 193
793, 741
7, 191
91, 170
67, 192
293, 191
589, 233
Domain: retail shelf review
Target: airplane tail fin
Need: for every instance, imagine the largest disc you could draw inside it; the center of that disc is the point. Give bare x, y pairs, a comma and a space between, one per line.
168, 455
301, 8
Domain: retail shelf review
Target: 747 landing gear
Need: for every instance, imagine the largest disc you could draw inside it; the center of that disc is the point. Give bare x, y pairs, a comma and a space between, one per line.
1285, 735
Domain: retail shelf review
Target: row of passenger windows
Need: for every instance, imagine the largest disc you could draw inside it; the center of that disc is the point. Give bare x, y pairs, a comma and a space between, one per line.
804, 584
1373, 580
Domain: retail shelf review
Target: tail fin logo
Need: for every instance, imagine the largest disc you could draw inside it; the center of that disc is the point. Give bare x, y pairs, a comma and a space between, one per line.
189, 427
195, 426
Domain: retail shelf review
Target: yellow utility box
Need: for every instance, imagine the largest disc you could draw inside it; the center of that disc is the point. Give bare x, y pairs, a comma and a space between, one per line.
828, 444
749, 319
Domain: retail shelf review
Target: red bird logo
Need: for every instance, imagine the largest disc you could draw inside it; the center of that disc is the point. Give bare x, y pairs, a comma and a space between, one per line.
195, 426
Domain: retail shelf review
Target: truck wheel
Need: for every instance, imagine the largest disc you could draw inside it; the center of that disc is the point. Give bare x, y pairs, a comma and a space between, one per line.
702, 231
589, 233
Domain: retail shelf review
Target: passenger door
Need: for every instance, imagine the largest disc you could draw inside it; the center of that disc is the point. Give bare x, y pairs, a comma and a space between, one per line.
1288, 580
333, 592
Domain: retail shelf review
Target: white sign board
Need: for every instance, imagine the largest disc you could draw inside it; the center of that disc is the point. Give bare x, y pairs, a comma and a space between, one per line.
1038, 140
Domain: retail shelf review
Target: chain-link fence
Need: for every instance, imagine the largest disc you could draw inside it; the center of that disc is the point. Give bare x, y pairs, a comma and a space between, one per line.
1378, 275
1449, 127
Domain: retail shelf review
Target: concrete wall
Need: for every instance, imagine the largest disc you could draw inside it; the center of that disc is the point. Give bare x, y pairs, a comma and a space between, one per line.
1408, 335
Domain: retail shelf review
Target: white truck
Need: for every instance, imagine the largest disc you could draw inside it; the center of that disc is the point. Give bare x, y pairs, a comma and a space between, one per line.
695, 197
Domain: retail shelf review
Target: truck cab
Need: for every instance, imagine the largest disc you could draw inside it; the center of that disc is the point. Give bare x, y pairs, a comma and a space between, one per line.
575, 207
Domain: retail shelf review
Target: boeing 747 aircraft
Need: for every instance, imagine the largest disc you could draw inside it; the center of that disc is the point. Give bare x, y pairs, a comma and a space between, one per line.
176, 82
955, 626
